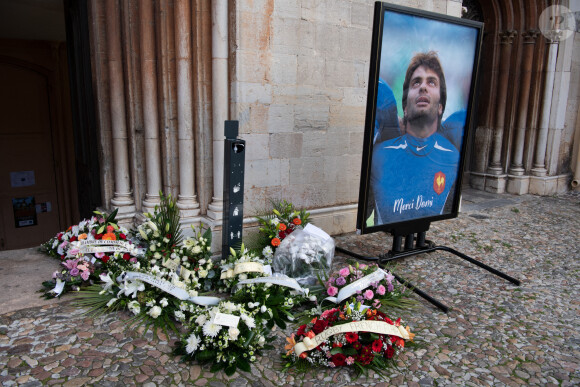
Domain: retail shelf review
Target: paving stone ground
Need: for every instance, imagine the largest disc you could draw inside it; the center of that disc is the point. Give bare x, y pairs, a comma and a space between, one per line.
495, 334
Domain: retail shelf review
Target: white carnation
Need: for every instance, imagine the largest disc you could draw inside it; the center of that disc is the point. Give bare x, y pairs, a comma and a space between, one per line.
201, 319
229, 306
155, 311
134, 307
233, 333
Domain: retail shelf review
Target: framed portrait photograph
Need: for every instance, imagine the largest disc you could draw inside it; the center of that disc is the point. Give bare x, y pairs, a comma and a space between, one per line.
421, 88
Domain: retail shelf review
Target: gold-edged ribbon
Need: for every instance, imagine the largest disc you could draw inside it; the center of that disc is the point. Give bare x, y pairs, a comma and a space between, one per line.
380, 327
175, 265
244, 267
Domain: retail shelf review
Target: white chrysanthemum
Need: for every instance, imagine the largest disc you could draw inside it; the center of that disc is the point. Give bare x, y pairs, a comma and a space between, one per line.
233, 333
210, 329
163, 302
201, 319
155, 311
267, 252
249, 321
192, 343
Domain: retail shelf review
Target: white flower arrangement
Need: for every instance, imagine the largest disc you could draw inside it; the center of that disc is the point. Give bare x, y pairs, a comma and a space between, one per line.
228, 347
232, 270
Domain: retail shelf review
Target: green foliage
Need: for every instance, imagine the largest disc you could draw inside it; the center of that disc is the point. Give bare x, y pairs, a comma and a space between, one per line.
166, 218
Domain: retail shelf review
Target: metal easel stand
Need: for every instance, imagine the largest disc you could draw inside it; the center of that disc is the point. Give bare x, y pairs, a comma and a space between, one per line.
420, 247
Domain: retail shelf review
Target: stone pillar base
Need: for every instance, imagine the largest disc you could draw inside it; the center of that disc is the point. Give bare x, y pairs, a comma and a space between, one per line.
488, 182
548, 185
518, 185
215, 210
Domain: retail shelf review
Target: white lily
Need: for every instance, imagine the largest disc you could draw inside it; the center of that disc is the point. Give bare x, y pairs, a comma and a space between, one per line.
131, 288
107, 283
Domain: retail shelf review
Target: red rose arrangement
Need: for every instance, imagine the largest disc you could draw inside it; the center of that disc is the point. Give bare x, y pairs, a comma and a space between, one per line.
344, 337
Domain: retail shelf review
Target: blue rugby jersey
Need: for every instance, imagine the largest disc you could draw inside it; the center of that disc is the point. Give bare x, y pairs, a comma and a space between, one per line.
411, 177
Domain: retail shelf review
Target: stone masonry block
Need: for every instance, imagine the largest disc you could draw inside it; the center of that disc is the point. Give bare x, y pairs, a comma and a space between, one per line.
280, 118
338, 13
339, 73
325, 144
355, 43
287, 9
361, 74
361, 14
256, 146
355, 143
355, 96
254, 31
262, 173
306, 34
327, 40
251, 92
258, 122
284, 69
306, 170
347, 116
253, 66
311, 117
284, 33
285, 145
313, 10
312, 95
310, 70
453, 8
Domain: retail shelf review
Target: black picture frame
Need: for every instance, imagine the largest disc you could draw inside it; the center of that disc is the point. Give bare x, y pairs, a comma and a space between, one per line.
394, 191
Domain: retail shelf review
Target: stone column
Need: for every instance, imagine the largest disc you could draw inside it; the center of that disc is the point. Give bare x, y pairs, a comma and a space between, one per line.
220, 101
151, 121
542, 140
123, 197
507, 39
187, 200
516, 167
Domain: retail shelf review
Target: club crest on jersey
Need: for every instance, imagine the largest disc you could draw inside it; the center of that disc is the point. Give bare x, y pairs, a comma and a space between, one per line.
439, 183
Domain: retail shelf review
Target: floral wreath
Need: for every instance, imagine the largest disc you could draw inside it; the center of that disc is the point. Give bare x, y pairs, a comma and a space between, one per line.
357, 336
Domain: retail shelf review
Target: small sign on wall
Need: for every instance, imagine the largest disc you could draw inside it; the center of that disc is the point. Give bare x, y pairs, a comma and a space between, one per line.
22, 179
24, 212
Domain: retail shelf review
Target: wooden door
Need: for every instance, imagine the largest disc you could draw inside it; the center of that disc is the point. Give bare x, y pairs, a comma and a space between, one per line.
29, 204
